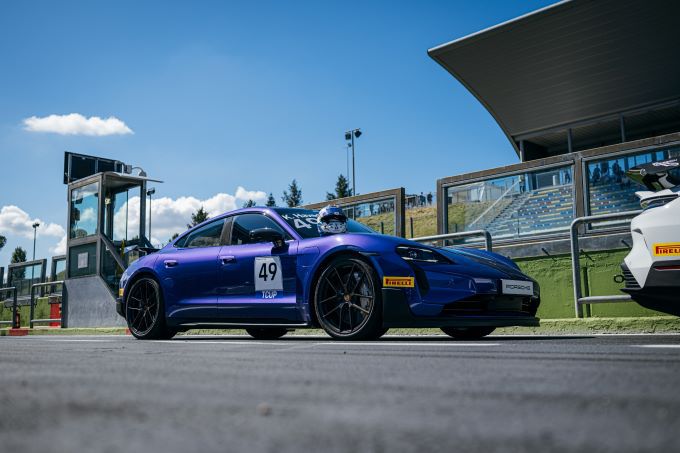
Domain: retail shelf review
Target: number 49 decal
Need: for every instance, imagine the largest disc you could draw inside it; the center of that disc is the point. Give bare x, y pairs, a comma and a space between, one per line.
268, 274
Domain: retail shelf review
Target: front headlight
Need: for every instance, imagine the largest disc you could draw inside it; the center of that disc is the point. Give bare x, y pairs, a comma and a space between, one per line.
410, 253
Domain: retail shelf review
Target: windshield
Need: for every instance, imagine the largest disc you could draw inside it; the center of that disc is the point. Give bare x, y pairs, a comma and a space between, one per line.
304, 222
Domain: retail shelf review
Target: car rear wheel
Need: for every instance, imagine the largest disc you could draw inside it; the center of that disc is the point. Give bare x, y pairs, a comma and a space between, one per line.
267, 333
468, 333
347, 300
144, 311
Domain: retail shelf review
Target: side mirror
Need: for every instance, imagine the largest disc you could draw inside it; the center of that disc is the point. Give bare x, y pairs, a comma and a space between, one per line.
267, 235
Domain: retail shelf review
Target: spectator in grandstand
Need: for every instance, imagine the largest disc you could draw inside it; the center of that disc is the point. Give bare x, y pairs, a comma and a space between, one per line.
618, 173
604, 170
567, 177
596, 175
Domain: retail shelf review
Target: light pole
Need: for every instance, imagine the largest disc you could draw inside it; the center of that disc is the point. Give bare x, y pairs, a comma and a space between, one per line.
350, 136
35, 231
149, 193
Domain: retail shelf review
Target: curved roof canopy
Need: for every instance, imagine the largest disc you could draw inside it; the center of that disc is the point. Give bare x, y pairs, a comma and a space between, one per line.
575, 72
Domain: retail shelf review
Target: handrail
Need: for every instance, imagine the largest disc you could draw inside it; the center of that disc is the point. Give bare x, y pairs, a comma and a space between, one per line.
488, 243
13, 322
61, 320
498, 200
576, 264
110, 247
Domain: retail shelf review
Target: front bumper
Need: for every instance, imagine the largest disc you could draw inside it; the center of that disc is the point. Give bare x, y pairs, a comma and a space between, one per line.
397, 313
661, 291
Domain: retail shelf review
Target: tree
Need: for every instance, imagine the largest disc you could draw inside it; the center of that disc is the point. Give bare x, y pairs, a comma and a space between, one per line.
18, 256
249, 204
292, 197
174, 236
197, 217
342, 189
271, 202
3, 241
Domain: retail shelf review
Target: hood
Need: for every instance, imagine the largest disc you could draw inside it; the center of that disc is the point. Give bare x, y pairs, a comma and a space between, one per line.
498, 263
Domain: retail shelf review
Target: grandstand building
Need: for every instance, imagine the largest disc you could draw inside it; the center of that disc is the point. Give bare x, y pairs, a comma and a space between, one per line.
583, 90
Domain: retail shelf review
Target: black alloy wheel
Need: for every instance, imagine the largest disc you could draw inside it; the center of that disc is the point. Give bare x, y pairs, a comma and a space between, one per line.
144, 311
347, 300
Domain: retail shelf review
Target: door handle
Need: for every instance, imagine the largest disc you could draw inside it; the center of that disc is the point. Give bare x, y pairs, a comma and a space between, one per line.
228, 259
170, 263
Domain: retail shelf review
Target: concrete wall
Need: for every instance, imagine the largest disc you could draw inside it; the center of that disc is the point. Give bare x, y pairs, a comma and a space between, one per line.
90, 304
557, 294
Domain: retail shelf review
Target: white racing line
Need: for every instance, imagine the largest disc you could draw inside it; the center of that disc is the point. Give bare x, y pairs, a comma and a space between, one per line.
663, 346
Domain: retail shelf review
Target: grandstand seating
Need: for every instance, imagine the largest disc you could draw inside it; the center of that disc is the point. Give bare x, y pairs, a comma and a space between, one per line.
613, 197
546, 209
551, 209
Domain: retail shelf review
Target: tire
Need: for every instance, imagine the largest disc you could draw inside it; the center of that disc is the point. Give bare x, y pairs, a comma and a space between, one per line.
144, 311
267, 333
347, 300
467, 333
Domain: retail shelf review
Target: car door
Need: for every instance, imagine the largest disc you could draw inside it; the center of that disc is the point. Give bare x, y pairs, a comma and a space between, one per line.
190, 273
259, 279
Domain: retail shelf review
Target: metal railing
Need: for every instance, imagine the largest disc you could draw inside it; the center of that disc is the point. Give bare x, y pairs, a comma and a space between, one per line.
488, 244
62, 319
13, 290
579, 299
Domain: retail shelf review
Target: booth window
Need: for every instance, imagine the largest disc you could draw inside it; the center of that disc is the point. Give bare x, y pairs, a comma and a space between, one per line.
535, 202
84, 211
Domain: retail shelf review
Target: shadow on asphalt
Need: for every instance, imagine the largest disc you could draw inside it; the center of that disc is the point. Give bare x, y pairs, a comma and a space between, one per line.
394, 339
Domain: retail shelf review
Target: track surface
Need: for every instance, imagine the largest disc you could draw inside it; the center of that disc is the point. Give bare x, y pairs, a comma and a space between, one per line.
420, 394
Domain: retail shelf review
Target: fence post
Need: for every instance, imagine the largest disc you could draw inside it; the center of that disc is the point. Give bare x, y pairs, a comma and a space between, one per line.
576, 267
31, 310
410, 219
15, 311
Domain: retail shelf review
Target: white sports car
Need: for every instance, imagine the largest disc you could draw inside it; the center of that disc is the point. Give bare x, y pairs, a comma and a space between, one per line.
652, 268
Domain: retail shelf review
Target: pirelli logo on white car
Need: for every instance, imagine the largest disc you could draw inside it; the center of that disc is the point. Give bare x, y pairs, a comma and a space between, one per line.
667, 249
518, 287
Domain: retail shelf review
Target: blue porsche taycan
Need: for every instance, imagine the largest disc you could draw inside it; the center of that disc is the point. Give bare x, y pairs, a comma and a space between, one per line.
270, 270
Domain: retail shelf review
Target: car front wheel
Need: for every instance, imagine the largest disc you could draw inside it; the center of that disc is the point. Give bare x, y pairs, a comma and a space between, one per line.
144, 311
347, 300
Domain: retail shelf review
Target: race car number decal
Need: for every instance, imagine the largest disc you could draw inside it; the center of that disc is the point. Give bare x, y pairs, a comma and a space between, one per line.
398, 282
667, 249
268, 273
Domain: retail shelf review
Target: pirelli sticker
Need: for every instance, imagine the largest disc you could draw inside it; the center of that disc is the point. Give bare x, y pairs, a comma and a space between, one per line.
667, 249
398, 282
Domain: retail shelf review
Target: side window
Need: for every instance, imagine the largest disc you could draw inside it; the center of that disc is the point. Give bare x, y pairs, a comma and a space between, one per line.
206, 236
245, 223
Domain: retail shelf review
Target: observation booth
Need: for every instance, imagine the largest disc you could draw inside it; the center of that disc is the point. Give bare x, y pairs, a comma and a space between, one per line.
106, 232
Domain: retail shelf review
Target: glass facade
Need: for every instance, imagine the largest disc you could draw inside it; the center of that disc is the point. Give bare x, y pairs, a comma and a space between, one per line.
514, 206
84, 210
608, 188
378, 215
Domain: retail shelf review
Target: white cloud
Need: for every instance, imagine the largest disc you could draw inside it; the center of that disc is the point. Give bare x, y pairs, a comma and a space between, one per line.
16, 221
60, 248
77, 124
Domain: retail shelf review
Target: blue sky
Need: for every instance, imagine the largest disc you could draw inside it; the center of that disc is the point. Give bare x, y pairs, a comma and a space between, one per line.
221, 95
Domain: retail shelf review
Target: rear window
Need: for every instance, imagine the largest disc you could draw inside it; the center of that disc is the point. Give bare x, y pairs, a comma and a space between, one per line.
304, 222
